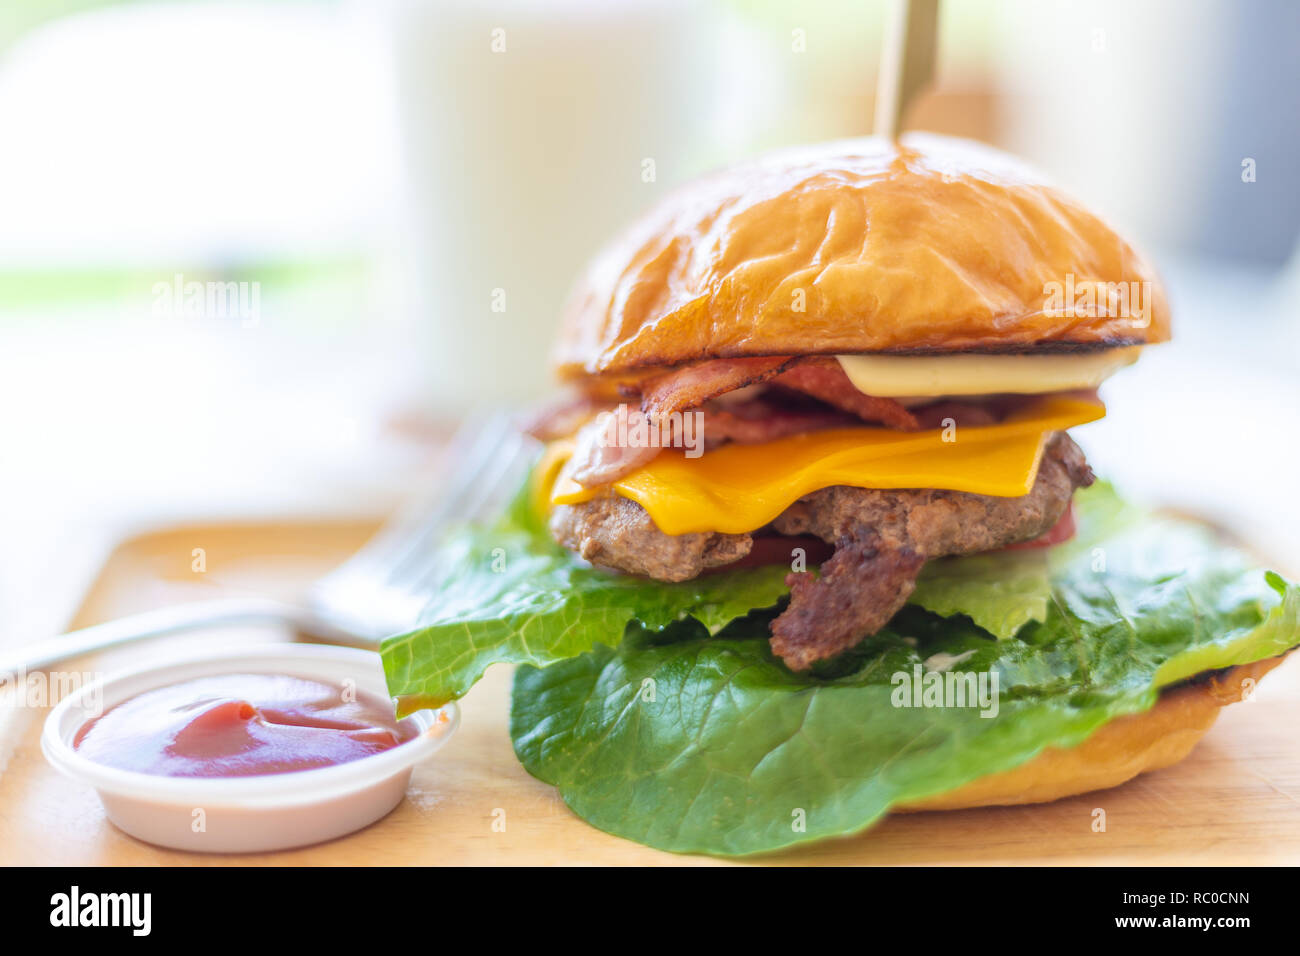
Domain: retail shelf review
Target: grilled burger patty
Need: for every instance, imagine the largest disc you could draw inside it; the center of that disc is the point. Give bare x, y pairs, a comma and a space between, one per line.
882, 538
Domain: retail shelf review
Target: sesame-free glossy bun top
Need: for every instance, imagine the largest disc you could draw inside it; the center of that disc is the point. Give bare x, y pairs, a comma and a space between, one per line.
930, 245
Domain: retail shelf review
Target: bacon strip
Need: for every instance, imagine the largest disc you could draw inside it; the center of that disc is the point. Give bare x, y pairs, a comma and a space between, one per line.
823, 379
969, 414
819, 377
858, 590
714, 386
758, 420
692, 386
561, 419
882, 538
599, 457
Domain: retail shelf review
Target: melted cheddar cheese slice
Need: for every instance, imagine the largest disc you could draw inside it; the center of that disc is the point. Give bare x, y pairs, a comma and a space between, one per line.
740, 488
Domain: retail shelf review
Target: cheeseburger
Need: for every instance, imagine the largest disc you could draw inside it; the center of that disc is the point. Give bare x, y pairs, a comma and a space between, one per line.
810, 539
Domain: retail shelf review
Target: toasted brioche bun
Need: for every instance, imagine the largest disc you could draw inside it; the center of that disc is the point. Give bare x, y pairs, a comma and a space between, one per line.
935, 245
1118, 751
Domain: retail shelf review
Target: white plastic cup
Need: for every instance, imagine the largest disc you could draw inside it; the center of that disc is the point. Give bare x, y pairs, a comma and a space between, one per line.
246, 814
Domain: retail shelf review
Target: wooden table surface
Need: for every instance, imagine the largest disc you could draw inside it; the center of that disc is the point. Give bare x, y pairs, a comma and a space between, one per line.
1236, 800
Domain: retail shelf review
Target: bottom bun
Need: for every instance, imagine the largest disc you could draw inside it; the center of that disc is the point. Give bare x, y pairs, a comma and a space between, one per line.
1116, 752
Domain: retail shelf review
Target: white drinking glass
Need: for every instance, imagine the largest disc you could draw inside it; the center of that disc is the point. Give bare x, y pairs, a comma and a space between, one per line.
532, 131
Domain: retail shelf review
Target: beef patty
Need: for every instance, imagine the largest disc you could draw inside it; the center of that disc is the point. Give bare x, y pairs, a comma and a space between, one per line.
882, 538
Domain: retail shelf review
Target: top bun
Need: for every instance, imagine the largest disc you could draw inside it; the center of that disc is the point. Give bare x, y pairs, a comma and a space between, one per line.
930, 245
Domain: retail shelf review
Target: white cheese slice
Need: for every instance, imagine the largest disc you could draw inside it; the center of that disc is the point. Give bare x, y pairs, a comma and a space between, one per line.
909, 376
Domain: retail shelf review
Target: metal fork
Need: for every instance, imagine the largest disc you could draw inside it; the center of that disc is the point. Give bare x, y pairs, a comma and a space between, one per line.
381, 590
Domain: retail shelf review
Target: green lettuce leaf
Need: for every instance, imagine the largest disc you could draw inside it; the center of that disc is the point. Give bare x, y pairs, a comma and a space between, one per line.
999, 592
698, 743
512, 595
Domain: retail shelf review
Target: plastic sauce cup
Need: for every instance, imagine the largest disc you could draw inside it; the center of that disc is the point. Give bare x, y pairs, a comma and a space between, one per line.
255, 813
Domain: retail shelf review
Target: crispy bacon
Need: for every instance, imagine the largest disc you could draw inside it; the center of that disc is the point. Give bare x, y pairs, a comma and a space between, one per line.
823, 379
816, 376
746, 400
759, 420
882, 538
969, 414
857, 591
602, 456
599, 457
693, 385
561, 419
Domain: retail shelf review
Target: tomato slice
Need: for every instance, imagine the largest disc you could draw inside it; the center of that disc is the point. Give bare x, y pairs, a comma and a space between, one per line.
1063, 530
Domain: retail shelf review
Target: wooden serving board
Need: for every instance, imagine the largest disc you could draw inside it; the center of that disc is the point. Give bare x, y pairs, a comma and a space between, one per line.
1236, 800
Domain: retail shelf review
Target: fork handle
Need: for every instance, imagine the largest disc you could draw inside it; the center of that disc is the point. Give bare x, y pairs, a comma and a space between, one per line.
168, 620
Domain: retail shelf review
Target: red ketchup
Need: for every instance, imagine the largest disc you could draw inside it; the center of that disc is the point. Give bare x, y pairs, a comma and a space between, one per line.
241, 725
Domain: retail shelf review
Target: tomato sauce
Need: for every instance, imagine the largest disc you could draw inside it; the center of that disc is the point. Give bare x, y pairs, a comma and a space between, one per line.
239, 725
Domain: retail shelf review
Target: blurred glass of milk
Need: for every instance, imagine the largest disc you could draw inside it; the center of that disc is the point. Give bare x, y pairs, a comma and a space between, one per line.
532, 131
1117, 101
